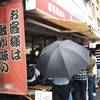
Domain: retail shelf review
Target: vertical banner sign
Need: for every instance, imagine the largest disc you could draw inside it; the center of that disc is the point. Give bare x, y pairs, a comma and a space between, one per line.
12, 49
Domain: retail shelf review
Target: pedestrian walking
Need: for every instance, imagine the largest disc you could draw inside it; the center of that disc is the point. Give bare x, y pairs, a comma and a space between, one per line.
80, 85
90, 75
97, 54
95, 85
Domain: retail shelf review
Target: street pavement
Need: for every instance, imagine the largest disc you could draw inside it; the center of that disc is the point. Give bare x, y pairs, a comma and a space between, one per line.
97, 97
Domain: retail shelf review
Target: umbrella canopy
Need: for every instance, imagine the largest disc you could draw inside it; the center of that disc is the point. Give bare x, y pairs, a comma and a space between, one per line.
62, 59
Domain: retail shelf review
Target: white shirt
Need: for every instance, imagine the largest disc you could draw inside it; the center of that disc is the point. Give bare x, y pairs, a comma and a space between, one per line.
37, 73
95, 66
60, 81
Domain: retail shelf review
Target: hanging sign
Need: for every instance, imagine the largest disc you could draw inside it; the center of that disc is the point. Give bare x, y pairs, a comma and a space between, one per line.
12, 49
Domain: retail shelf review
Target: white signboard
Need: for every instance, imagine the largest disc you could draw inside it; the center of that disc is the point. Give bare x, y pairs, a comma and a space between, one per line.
43, 95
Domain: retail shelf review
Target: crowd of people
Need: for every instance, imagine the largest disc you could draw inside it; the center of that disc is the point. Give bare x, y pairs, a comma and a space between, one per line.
85, 82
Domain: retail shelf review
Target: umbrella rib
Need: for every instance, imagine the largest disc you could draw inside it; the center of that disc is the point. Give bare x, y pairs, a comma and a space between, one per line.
71, 59
64, 64
53, 49
59, 58
74, 52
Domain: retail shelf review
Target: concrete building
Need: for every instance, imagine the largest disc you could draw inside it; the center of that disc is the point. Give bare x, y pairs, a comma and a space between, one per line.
42, 24
76, 10
85, 10
96, 16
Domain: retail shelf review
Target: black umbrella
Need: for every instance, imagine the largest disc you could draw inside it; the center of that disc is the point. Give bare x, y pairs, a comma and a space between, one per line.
62, 59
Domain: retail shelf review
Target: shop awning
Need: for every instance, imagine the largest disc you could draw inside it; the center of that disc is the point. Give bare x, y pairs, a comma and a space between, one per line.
48, 14
76, 27
79, 29
72, 25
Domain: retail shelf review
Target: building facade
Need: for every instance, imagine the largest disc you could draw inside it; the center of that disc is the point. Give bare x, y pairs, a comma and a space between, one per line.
82, 11
40, 23
86, 11
40, 30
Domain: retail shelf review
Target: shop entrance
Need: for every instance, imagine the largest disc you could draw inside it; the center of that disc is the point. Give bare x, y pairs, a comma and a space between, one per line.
35, 44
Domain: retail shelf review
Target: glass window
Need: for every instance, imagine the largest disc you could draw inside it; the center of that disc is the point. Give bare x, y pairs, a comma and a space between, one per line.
28, 47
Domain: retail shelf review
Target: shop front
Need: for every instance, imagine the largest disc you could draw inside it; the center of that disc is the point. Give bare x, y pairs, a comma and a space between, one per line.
38, 13
54, 21
45, 22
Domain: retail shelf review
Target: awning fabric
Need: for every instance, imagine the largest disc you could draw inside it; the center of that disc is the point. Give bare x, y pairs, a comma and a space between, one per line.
74, 26
69, 24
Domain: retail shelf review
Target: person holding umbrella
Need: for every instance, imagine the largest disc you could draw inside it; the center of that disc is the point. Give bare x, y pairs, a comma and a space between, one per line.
61, 89
60, 61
